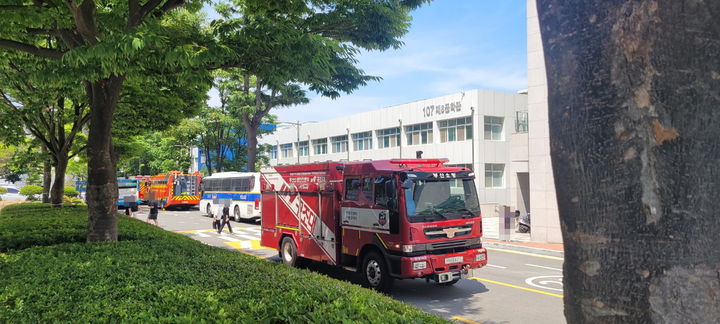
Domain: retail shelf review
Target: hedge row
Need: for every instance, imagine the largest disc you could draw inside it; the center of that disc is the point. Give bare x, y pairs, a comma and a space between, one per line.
155, 276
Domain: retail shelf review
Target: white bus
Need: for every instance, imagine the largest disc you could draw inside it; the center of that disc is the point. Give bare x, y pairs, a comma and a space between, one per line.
240, 190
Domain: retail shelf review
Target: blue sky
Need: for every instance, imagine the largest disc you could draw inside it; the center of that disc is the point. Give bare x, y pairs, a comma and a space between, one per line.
452, 45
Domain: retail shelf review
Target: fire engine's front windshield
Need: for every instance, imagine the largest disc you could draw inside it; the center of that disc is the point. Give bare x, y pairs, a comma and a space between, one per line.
433, 200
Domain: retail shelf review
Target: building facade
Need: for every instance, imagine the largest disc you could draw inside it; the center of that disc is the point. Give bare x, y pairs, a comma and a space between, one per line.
482, 130
545, 216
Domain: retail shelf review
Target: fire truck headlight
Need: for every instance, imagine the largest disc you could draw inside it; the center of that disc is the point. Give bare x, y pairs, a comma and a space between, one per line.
419, 265
480, 257
407, 248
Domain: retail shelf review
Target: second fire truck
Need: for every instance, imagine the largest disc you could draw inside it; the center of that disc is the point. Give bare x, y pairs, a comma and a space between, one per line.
406, 218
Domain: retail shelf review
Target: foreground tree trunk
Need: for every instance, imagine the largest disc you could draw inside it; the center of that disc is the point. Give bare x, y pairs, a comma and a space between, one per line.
634, 107
102, 192
57, 192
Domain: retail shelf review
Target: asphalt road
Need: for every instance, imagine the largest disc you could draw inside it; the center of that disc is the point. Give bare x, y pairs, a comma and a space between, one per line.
514, 287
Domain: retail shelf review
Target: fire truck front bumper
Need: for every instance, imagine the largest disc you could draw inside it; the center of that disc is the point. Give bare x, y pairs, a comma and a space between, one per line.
444, 267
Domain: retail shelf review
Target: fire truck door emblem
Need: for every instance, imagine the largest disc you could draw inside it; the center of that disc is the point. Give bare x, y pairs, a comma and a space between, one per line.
382, 218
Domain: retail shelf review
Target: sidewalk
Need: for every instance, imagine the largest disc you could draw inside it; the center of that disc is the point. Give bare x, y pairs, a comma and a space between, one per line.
518, 241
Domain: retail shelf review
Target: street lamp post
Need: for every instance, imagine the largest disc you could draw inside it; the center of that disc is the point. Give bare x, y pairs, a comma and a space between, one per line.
297, 137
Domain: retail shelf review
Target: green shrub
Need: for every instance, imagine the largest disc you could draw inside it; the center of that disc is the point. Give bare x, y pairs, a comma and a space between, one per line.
71, 200
31, 191
156, 276
71, 191
3, 190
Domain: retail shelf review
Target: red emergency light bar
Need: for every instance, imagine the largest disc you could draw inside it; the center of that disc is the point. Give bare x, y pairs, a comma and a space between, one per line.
418, 161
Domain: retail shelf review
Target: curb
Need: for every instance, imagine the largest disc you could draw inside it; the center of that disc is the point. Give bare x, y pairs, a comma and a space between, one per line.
527, 249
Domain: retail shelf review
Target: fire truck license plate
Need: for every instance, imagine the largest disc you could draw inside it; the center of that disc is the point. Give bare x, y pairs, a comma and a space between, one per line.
456, 259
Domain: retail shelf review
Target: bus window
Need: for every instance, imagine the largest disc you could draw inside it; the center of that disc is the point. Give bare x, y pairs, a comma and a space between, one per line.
367, 188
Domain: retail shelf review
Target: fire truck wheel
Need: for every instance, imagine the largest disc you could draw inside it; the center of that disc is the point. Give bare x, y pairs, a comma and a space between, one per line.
375, 272
288, 253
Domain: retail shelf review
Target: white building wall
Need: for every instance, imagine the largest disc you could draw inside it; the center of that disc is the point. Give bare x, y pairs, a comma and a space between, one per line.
484, 103
544, 210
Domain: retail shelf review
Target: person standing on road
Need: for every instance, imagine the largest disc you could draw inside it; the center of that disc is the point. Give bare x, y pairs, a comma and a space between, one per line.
153, 215
128, 212
225, 219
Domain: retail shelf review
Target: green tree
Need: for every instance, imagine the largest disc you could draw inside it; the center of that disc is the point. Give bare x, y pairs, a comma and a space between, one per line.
102, 45
54, 114
633, 108
283, 47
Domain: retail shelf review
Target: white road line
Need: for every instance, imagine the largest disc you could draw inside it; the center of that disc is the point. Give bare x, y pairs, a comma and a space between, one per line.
246, 245
201, 234
542, 267
228, 238
495, 266
247, 237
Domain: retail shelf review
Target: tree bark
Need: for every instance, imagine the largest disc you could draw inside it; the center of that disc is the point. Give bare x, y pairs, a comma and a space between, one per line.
102, 192
252, 147
57, 191
47, 179
633, 108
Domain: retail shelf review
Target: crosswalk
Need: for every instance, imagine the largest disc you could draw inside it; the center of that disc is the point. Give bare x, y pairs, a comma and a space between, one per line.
245, 238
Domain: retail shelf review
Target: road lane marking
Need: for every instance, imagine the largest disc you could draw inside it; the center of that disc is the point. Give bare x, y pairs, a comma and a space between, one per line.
201, 234
247, 237
517, 287
495, 266
543, 267
528, 254
228, 238
464, 320
195, 231
544, 282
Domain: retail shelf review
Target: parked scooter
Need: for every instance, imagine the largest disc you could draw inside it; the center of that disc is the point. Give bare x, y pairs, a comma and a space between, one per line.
524, 224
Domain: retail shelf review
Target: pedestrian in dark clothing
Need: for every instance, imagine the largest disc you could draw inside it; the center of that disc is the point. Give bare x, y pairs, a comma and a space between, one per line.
153, 214
128, 212
225, 219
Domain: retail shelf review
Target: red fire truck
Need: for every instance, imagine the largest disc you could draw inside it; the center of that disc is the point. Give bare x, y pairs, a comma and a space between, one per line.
175, 189
407, 218
144, 192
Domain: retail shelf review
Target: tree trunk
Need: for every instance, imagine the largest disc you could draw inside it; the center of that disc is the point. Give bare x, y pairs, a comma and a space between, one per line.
208, 162
252, 148
634, 112
57, 191
47, 178
102, 192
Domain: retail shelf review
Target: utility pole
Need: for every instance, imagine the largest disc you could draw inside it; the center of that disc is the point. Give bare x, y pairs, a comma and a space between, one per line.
472, 122
400, 138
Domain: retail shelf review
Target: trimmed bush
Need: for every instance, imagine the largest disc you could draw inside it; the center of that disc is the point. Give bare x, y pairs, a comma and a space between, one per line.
156, 276
31, 191
71, 192
3, 190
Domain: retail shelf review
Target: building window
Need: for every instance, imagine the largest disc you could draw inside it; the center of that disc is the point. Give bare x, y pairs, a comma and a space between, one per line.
319, 146
362, 141
494, 174
388, 137
303, 148
493, 128
461, 165
521, 122
273, 152
419, 134
339, 144
458, 129
287, 151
